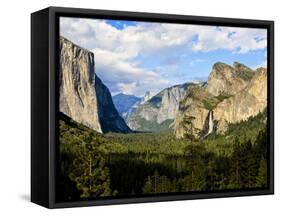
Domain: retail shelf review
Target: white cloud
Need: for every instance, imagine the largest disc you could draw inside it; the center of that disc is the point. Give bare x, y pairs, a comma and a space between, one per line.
139, 87
128, 88
117, 51
241, 40
126, 76
120, 63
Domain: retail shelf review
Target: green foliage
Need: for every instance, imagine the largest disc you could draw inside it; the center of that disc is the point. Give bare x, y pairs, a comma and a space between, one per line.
197, 162
144, 143
148, 186
244, 168
153, 126
95, 165
222, 97
245, 74
248, 129
82, 172
159, 184
90, 173
211, 103
190, 131
262, 174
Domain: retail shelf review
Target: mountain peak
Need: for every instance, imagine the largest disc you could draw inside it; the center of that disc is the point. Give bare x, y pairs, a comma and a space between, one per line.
261, 70
219, 66
147, 96
147, 93
225, 79
241, 67
125, 95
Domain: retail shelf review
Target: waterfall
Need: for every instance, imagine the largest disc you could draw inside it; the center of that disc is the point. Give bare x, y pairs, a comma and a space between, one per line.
210, 123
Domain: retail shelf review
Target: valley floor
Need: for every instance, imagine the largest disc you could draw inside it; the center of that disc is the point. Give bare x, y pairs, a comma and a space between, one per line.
93, 165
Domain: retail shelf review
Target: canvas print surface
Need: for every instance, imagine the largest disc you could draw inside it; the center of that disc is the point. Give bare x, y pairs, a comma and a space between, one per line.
156, 108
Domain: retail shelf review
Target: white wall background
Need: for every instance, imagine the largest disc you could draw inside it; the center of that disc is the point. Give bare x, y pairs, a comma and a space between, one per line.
15, 107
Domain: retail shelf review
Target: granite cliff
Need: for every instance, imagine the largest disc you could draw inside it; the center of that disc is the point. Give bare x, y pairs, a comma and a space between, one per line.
232, 94
83, 96
248, 102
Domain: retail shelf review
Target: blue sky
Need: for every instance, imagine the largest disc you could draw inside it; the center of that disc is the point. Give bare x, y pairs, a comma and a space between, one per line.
133, 57
120, 24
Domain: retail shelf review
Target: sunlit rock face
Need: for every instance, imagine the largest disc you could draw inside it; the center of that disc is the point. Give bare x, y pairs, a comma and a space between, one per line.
225, 79
83, 96
248, 102
232, 93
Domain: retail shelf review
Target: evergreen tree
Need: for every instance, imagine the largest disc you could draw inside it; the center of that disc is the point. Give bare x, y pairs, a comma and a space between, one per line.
197, 158
155, 181
158, 184
164, 184
90, 173
262, 175
245, 166
148, 187
237, 168
252, 165
190, 132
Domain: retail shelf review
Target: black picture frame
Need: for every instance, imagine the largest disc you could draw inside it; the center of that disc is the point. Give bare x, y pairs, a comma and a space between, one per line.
44, 101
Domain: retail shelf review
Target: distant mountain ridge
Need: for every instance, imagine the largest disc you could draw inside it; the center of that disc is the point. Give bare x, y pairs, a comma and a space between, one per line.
83, 96
158, 112
124, 102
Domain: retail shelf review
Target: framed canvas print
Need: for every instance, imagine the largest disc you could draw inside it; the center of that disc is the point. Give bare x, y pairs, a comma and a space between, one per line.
139, 107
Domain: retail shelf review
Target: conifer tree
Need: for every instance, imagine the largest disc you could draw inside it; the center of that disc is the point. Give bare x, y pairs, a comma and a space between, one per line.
148, 188
262, 175
90, 173
190, 132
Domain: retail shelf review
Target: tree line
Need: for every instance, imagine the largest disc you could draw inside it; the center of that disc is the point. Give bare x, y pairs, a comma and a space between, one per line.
93, 165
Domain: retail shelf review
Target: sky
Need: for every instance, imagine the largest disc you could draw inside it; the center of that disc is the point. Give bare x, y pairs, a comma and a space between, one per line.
135, 57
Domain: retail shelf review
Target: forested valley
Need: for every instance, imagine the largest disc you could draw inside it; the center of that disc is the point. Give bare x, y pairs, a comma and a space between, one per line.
92, 165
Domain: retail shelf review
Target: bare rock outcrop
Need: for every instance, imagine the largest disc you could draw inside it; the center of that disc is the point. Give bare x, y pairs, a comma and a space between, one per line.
248, 102
232, 94
83, 96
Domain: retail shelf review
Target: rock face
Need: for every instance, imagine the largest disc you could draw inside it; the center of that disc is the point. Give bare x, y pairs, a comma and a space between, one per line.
192, 106
248, 102
232, 94
83, 96
159, 111
228, 80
